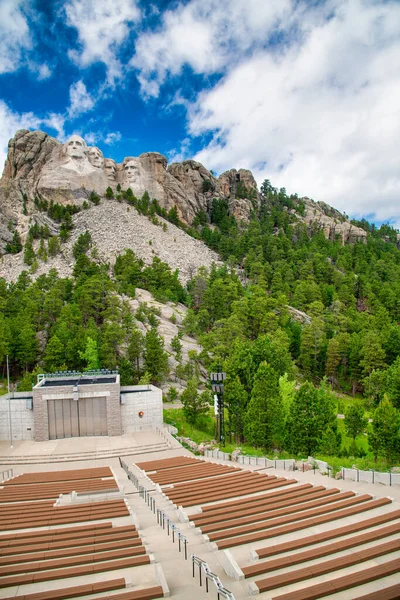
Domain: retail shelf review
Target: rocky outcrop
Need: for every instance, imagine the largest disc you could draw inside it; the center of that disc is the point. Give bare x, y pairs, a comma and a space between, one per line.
28, 152
199, 184
332, 222
240, 188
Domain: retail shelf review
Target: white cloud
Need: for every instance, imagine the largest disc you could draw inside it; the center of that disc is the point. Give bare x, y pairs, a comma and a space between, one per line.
14, 35
102, 27
317, 110
80, 100
112, 138
206, 35
44, 72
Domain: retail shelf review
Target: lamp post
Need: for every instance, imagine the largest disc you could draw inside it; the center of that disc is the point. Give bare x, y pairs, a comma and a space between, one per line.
9, 404
218, 389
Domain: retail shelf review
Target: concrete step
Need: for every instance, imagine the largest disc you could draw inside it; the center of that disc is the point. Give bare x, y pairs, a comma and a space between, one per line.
80, 456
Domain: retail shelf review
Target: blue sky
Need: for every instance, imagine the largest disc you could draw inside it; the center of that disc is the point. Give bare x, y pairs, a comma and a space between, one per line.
305, 93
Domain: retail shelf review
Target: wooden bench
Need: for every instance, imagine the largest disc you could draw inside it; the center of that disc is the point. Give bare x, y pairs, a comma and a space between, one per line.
303, 524
52, 490
327, 535
44, 544
345, 582
273, 509
74, 592
305, 573
63, 531
212, 483
276, 510
195, 472
222, 507
167, 463
42, 555
239, 491
49, 476
76, 571
300, 557
287, 518
225, 508
145, 594
70, 561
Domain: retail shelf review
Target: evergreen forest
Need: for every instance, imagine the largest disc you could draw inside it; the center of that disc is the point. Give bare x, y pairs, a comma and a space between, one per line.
304, 327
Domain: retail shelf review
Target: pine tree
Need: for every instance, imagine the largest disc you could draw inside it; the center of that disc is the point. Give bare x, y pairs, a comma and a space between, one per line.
155, 357
91, 355
264, 417
53, 246
384, 439
194, 403
54, 357
355, 421
333, 360
135, 348
235, 401
29, 254
311, 414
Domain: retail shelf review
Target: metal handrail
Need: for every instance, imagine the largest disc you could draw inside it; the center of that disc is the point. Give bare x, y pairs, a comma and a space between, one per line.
210, 576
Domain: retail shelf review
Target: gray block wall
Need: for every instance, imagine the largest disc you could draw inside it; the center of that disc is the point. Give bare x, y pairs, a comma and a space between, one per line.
140, 399
21, 417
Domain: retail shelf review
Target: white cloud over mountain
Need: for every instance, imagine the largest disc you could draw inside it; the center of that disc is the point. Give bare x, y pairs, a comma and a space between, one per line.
309, 98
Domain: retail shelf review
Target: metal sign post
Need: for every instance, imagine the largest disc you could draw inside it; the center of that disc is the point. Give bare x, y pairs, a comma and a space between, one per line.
218, 389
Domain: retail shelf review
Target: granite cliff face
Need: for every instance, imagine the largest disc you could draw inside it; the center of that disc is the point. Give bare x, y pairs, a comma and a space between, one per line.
332, 222
39, 166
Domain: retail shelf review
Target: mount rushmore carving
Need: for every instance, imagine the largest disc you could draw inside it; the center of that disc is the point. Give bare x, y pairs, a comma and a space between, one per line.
39, 165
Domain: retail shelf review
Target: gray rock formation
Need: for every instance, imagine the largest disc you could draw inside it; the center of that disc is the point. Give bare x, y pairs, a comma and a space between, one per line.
333, 223
240, 188
40, 166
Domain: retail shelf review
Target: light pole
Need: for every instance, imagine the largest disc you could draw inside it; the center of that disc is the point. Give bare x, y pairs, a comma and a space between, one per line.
9, 404
218, 389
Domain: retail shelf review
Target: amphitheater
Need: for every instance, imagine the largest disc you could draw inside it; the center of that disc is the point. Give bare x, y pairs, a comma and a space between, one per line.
136, 516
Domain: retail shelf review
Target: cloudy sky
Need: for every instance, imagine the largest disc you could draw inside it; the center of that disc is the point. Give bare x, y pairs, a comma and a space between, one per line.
305, 93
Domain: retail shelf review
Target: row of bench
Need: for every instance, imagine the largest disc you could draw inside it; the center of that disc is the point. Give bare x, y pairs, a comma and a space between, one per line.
60, 515
95, 588
44, 491
52, 476
47, 555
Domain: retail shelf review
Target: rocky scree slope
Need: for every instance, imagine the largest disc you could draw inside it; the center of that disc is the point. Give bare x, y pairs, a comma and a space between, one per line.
114, 227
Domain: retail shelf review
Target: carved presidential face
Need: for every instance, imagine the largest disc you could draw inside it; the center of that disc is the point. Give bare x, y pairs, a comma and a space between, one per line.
75, 147
110, 168
132, 172
95, 157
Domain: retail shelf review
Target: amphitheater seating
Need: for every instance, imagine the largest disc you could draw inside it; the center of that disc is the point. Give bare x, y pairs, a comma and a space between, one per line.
41, 486
303, 523
315, 553
76, 591
33, 514
40, 555
329, 535
52, 476
167, 463
344, 582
